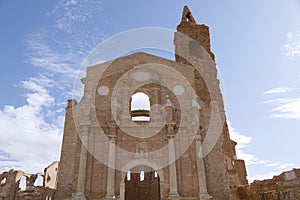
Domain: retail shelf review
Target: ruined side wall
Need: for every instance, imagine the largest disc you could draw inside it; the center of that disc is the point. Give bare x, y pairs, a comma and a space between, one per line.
241, 171
9, 184
70, 153
286, 186
216, 173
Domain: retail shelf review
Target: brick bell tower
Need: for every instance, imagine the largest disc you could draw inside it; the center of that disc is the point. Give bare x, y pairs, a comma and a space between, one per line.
106, 152
224, 172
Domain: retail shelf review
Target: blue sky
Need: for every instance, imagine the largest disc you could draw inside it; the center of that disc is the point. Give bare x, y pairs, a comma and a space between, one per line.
257, 48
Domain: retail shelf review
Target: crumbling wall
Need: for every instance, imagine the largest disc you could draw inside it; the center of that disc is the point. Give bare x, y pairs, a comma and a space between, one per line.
10, 188
237, 174
50, 172
9, 184
31, 191
286, 186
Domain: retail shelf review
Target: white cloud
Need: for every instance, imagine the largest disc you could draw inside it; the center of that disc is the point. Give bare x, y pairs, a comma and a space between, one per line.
27, 141
285, 166
242, 142
287, 109
62, 51
279, 165
69, 12
273, 168
285, 106
272, 164
53, 55
276, 169
278, 90
291, 47
38, 96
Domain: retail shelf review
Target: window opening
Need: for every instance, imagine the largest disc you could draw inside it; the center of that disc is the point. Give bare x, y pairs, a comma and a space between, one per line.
39, 181
128, 176
22, 184
140, 107
3, 181
142, 175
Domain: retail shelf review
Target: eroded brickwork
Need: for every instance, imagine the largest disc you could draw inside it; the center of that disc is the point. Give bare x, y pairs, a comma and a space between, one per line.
286, 186
11, 186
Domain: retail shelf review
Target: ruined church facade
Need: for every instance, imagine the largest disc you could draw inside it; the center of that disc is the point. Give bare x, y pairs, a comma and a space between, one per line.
176, 147
108, 154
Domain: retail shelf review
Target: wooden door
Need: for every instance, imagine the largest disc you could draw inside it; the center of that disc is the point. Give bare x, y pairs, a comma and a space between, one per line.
142, 189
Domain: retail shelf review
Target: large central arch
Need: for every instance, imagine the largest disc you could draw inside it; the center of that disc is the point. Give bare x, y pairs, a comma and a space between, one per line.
149, 167
142, 183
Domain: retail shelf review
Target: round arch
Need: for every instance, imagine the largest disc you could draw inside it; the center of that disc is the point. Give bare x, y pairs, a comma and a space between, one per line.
140, 106
137, 163
142, 162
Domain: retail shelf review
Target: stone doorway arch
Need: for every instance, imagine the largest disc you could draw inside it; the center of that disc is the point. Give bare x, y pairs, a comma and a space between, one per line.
142, 183
149, 165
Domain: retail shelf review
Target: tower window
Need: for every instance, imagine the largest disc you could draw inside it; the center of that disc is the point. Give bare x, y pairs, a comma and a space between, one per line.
188, 17
140, 107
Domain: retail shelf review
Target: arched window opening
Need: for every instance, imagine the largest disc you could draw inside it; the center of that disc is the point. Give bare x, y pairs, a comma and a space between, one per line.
128, 176
3, 181
188, 17
140, 107
142, 175
22, 184
39, 181
155, 174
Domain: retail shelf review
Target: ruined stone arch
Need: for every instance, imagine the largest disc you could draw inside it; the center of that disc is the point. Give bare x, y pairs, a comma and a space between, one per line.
142, 162
142, 174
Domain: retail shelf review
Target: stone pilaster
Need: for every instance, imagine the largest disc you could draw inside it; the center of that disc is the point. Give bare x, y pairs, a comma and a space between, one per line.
82, 165
203, 194
122, 191
172, 170
111, 172
156, 100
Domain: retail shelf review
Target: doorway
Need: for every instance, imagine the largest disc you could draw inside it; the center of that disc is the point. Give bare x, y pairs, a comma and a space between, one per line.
142, 183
